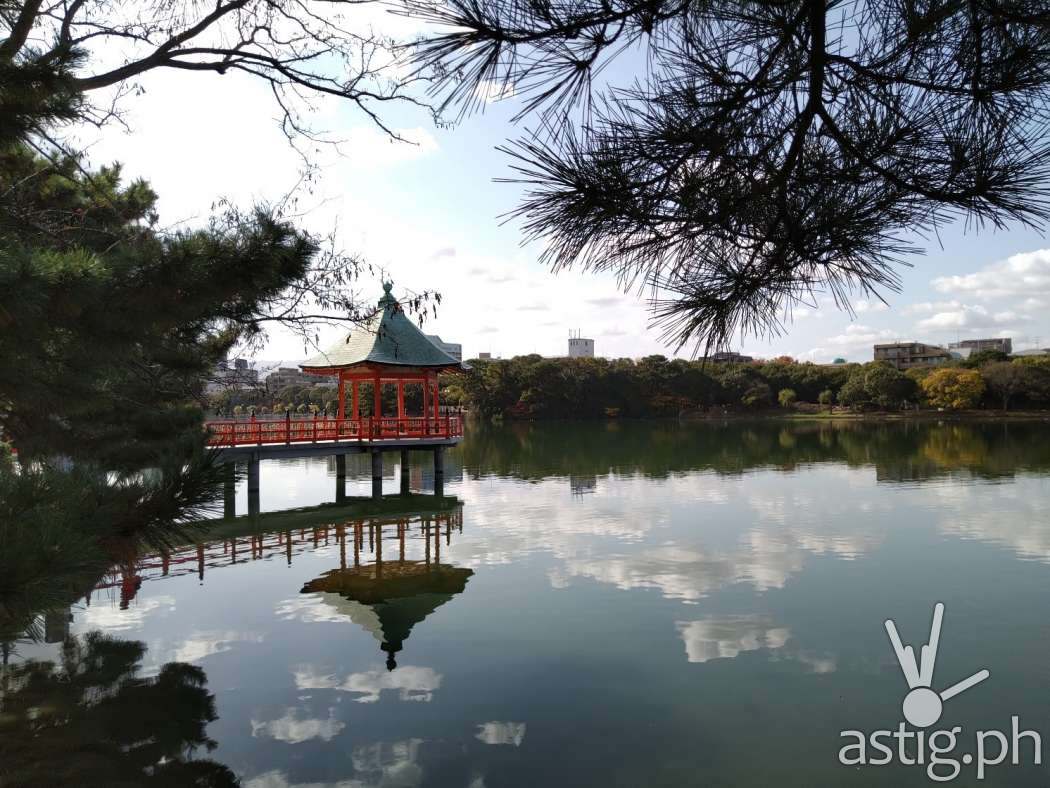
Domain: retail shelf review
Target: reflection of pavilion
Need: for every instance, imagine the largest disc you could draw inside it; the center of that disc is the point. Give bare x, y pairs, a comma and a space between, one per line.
583, 485
389, 597
286, 542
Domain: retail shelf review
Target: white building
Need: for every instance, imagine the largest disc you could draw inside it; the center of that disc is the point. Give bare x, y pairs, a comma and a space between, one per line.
453, 349
580, 347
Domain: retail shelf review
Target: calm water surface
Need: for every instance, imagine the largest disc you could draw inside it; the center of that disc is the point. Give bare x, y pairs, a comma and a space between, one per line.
612, 605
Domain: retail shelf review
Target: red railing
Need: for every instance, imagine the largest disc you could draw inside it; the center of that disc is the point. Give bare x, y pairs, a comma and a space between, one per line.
249, 432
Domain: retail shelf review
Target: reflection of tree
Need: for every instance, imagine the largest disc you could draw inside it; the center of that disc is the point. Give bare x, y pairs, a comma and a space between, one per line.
93, 721
904, 451
61, 529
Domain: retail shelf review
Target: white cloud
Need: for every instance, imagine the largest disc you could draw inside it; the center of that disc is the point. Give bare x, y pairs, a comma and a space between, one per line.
865, 306
857, 334
111, 618
293, 730
411, 682
496, 732
1022, 275
310, 609
727, 637
368, 147
926, 307
378, 765
203, 644
974, 317
856, 339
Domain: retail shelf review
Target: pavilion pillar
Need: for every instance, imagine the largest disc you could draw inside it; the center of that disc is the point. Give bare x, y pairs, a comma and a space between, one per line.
377, 473
379, 550
401, 399
253, 484
229, 491
341, 412
340, 478
426, 406
437, 396
377, 404
439, 471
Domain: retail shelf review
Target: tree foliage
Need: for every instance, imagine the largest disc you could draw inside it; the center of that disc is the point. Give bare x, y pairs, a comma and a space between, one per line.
877, 384
56, 57
953, 388
1011, 381
760, 151
108, 326
535, 387
112, 725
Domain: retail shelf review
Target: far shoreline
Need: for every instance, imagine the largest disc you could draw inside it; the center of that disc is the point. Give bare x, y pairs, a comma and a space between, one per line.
782, 415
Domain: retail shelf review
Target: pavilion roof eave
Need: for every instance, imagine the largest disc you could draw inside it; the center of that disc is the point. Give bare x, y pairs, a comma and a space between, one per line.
369, 368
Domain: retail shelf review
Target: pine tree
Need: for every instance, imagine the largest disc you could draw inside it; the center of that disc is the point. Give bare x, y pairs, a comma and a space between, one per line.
107, 327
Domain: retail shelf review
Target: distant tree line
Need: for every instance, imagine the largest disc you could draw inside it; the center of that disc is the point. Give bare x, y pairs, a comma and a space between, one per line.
655, 386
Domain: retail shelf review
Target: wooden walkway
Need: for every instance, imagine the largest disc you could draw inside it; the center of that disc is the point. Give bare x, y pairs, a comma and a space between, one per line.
361, 432
254, 441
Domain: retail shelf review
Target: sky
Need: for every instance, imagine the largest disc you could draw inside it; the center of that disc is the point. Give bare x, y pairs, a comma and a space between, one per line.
429, 214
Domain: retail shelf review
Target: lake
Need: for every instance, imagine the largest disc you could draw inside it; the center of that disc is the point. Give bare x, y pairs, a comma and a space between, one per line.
605, 604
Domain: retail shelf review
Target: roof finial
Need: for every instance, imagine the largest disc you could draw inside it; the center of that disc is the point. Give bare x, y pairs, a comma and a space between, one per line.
388, 297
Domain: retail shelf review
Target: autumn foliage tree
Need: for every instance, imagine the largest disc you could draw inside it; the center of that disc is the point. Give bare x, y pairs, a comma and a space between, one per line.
953, 388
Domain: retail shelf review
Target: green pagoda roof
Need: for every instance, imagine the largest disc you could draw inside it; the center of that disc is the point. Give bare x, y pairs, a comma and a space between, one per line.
389, 606
389, 337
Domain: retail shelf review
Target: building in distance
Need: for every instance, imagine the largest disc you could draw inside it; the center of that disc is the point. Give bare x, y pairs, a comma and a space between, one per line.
293, 376
232, 374
580, 347
729, 357
967, 347
905, 355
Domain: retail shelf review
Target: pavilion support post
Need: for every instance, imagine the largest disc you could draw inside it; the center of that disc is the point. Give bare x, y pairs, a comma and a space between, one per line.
377, 473
340, 478
439, 471
341, 412
377, 405
404, 472
229, 491
426, 406
401, 399
437, 397
253, 484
